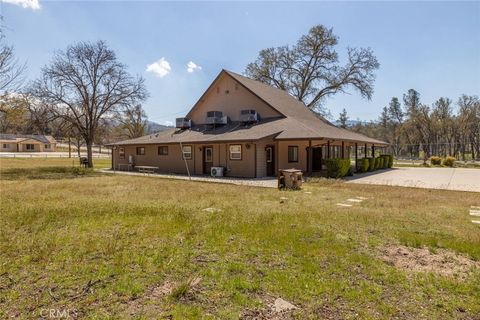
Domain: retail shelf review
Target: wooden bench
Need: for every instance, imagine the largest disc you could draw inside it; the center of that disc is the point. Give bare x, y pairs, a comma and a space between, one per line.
146, 169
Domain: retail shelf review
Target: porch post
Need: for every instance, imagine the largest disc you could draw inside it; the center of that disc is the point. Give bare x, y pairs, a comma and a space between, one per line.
310, 157
328, 149
373, 151
356, 157
343, 149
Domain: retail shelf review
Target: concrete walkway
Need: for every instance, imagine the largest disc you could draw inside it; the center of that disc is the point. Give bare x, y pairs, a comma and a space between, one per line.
260, 182
431, 178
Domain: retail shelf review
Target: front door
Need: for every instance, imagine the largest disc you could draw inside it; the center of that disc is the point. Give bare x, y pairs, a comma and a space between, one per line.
316, 159
270, 154
207, 159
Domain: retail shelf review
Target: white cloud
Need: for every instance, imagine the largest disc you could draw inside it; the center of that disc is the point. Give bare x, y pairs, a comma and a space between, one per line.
160, 68
27, 4
192, 66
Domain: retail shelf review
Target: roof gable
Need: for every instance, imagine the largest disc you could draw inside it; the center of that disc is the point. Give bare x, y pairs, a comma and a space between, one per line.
229, 95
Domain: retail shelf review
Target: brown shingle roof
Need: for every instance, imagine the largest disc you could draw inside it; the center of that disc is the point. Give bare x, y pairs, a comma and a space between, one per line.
298, 123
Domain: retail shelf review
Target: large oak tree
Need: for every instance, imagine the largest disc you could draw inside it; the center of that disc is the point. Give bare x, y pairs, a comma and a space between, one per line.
85, 84
311, 71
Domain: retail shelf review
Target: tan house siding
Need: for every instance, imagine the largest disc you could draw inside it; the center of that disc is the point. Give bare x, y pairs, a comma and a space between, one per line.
173, 162
283, 155
262, 156
230, 97
8, 146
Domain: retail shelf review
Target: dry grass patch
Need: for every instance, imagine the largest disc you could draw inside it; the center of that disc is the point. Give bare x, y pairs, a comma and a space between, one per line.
439, 261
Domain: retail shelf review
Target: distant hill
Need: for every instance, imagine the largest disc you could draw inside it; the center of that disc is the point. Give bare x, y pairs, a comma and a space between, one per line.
153, 127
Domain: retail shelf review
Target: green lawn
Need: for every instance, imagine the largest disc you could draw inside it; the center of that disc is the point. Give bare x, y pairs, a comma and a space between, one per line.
104, 246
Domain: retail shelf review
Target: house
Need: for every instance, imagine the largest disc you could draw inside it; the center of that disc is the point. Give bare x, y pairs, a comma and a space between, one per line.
26, 143
248, 128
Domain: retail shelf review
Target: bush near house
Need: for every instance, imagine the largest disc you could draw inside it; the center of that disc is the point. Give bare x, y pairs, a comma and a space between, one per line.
449, 161
435, 161
362, 165
371, 164
378, 163
387, 160
337, 168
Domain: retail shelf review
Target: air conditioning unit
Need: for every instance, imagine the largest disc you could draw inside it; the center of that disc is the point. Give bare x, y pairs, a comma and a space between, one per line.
216, 117
183, 123
248, 115
216, 171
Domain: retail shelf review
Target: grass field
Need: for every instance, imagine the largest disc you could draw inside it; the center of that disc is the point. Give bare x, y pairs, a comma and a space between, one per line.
116, 247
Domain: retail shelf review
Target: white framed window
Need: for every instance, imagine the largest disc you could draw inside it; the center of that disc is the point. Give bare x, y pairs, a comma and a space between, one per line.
121, 153
47, 146
6, 146
208, 154
236, 152
269, 154
187, 152
30, 146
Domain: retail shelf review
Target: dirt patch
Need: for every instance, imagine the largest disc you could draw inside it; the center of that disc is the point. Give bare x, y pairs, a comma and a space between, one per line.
441, 261
274, 309
151, 302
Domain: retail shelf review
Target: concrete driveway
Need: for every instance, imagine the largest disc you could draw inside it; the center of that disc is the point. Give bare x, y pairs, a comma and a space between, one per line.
430, 178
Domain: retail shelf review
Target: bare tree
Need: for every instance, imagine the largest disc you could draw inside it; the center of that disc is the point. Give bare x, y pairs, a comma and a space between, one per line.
12, 72
133, 122
85, 84
310, 70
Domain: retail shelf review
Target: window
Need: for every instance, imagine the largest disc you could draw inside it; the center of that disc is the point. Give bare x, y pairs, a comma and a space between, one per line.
292, 154
163, 150
140, 151
121, 153
208, 154
30, 146
187, 152
269, 154
6, 145
236, 152
47, 146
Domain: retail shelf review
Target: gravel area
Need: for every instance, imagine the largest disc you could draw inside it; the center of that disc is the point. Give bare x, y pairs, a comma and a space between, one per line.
258, 182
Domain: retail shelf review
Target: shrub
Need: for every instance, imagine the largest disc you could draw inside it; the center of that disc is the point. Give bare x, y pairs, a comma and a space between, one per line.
362, 165
371, 164
436, 161
387, 160
378, 163
449, 161
337, 168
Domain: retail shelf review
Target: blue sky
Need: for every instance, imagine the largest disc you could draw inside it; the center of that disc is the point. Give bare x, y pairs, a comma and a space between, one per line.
433, 47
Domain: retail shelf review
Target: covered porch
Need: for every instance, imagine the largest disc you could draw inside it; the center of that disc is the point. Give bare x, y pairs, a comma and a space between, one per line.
312, 154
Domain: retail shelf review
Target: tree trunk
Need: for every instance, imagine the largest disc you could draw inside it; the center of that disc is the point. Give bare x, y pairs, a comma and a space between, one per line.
89, 154
69, 147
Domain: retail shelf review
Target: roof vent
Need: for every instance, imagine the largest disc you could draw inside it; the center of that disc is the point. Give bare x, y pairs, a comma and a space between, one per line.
183, 123
216, 117
248, 115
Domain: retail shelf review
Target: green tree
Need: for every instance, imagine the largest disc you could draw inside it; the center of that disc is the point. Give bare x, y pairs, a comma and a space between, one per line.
310, 70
